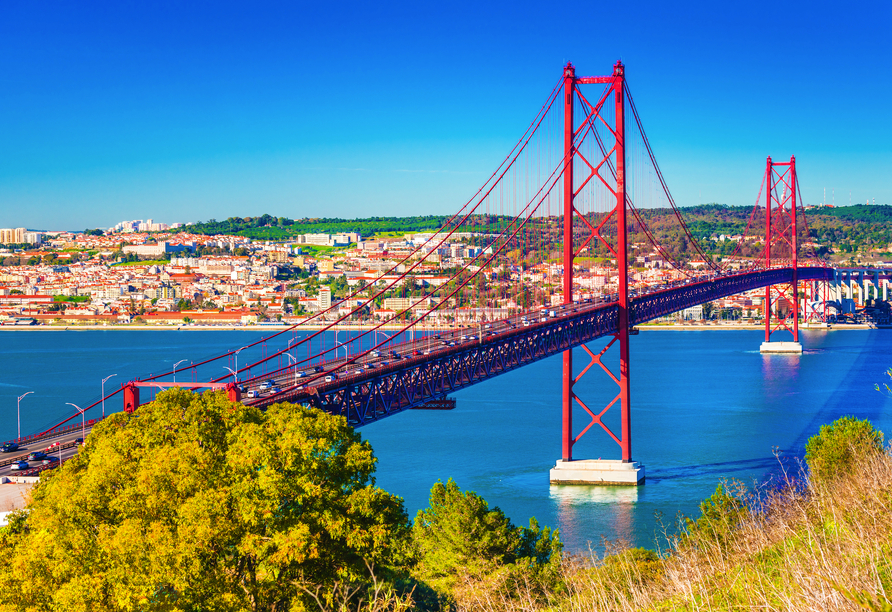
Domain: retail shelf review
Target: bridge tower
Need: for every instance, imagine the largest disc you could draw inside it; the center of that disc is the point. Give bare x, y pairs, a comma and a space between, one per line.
781, 304
606, 472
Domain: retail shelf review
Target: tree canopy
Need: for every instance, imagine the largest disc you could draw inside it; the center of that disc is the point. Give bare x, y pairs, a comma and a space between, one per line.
198, 503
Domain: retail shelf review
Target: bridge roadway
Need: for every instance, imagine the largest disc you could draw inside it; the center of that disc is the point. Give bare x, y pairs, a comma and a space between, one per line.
370, 387
373, 387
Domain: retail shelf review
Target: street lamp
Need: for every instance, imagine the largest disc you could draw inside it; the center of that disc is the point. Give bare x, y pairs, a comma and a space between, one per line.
18, 412
234, 373
295, 366
83, 423
103, 393
337, 333
175, 368
236, 361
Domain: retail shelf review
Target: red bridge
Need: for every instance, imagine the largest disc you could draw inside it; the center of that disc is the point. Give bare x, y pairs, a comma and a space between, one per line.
545, 257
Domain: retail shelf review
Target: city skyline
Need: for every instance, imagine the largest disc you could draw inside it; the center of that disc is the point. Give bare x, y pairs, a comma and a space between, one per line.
218, 110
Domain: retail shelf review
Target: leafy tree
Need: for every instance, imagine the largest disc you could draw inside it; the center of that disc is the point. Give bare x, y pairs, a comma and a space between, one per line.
458, 535
198, 503
840, 446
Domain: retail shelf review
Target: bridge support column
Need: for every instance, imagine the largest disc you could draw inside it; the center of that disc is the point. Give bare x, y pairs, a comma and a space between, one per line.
780, 231
599, 472
131, 397
233, 392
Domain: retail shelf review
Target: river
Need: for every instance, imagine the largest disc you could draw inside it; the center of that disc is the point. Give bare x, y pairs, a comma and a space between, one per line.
706, 405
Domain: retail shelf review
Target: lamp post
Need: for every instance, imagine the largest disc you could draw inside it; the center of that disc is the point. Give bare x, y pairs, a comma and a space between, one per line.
294, 362
236, 362
175, 368
337, 333
234, 373
103, 393
18, 412
83, 422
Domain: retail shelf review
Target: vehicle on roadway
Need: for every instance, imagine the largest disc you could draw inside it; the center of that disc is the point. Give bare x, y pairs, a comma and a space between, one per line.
9, 447
266, 384
36, 455
19, 465
331, 378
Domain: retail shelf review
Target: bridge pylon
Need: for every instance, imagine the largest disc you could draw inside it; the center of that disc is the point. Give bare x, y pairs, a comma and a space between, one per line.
781, 305
569, 470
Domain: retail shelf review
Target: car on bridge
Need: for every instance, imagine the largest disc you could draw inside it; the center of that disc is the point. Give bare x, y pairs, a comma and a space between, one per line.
9, 447
36, 455
19, 465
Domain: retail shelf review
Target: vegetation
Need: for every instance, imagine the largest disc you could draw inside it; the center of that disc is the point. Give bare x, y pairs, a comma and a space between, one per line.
840, 447
146, 262
267, 227
460, 541
198, 503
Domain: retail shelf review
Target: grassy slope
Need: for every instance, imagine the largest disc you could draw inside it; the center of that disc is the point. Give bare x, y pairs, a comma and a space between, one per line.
810, 547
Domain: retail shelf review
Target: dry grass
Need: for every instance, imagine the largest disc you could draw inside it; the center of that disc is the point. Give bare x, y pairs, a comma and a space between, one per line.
812, 547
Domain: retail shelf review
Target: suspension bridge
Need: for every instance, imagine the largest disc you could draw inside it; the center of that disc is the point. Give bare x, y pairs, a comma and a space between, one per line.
554, 243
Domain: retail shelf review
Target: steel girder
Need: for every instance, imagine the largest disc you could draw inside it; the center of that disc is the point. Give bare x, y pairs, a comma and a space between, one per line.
664, 302
374, 394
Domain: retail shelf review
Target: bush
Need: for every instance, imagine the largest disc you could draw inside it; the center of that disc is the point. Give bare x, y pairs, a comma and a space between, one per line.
840, 446
721, 513
459, 537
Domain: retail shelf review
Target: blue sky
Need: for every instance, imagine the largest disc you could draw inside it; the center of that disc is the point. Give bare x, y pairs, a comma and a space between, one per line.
188, 111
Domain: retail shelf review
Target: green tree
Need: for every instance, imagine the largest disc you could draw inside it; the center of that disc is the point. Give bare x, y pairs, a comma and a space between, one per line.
198, 503
708, 310
458, 535
840, 446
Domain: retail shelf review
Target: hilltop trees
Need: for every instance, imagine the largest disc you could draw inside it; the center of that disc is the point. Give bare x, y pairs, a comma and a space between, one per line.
197, 503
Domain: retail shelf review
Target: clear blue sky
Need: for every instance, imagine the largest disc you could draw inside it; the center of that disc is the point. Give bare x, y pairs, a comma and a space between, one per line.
185, 111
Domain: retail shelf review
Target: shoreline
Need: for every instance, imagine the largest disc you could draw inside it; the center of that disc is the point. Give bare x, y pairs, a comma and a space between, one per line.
277, 328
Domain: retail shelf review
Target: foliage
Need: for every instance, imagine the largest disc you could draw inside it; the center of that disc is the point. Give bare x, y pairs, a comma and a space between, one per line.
841, 446
198, 503
458, 537
267, 227
147, 262
720, 514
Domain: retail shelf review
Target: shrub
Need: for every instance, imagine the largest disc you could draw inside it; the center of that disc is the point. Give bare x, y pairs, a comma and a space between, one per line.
840, 446
720, 514
459, 537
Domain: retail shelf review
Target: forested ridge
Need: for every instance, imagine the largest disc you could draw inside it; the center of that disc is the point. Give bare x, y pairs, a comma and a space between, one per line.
844, 231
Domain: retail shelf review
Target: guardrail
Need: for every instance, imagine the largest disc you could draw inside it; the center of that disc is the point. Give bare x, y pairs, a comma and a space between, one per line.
23, 457
46, 435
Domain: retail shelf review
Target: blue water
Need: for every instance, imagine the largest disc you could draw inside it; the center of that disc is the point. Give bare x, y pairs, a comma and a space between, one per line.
706, 405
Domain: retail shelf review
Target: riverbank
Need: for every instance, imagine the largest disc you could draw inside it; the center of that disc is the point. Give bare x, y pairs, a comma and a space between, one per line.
277, 328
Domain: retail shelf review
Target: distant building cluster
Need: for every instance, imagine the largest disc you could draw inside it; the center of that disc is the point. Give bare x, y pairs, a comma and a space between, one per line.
148, 225
333, 240
19, 235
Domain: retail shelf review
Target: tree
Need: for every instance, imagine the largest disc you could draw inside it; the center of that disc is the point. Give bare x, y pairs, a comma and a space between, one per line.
708, 310
459, 535
198, 503
840, 446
